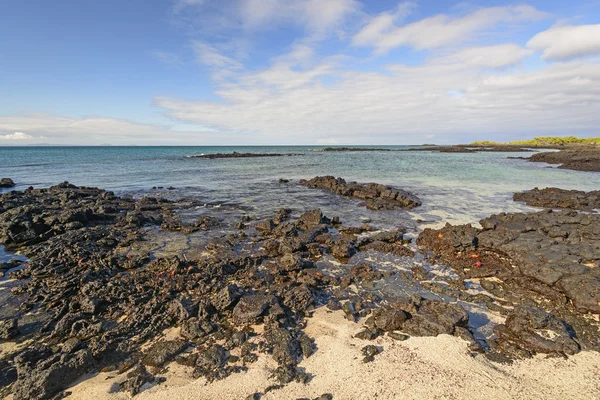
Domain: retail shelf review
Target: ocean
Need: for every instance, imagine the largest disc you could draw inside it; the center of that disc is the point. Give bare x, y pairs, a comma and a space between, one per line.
454, 187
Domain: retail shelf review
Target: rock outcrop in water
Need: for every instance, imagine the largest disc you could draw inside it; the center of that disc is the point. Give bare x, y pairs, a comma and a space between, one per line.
464, 148
6, 183
376, 196
546, 261
587, 159
560, 198
235, 154
349, 149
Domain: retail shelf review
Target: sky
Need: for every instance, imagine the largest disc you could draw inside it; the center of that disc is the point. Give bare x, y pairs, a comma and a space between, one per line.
296, 72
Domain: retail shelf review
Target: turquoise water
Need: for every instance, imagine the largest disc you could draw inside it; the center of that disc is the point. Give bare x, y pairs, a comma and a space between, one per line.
457, 188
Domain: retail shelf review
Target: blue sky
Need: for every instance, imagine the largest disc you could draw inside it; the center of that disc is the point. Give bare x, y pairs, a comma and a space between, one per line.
296, 71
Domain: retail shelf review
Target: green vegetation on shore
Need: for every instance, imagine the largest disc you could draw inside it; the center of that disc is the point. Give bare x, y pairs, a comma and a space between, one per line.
543, 141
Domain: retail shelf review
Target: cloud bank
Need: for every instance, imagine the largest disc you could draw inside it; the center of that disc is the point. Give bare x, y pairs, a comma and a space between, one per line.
567, 42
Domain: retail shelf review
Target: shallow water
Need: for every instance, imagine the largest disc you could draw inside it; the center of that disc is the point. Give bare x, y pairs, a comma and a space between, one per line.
456, 188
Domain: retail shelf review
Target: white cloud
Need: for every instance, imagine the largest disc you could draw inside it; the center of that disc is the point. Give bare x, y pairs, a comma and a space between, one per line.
384, 22
16, 136
221, 66
441, 30
292, 70
318, 16
209, 56
495, 56
405, 103
567, 42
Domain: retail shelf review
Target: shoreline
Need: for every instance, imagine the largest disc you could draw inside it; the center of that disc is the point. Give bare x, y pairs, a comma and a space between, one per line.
234, 295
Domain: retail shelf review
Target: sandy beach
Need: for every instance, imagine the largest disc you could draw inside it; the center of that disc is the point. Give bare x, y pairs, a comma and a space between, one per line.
428, 367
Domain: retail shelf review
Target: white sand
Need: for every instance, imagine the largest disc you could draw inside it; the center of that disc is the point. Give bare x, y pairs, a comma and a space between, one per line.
419, 368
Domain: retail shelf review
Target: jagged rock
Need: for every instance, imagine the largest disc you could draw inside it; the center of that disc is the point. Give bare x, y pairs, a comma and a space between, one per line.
398, 336
136, 379
182, 308
286, 348
194, 328
300, 298
249, 308
343, 249
227, 297
163, 352
42, 374
559, 250
71, 345
311, 219
390, 320
266, 225
368, 334
536, 331
369, 352
294, 262
212, 363
214, 357
435, 318
8, 329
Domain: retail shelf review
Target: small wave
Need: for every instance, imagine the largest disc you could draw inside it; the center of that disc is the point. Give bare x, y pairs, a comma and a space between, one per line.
195, 155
